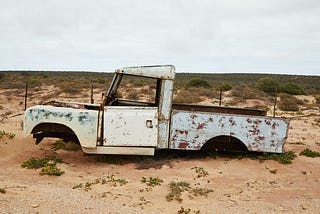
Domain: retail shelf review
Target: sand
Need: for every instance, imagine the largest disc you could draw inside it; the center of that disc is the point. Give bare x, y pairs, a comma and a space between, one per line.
233, 185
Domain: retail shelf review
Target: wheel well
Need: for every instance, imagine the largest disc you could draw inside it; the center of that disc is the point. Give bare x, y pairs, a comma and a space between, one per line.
51, 127
224, 143
54, 130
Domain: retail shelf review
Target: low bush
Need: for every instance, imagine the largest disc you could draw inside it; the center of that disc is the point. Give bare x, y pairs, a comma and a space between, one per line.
188, 96
187, 211
245, 92
176, 189
284, 158
268, 85
224, 86
309, 153
152, 182
48, 165
7, 134
288, 103
110, 179
200, 172
69, 146
198, 83
51, 169
291, 88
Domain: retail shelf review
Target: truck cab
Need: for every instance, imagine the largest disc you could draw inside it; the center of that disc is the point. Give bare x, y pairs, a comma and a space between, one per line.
138, 125
116, 126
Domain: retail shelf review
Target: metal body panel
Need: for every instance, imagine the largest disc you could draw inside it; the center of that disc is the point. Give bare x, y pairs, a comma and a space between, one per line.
165, 103
117, 150
130, 126
159, 71
82, 122
191, 130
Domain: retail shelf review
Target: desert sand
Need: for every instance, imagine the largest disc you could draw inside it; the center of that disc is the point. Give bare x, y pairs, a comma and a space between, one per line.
234, 185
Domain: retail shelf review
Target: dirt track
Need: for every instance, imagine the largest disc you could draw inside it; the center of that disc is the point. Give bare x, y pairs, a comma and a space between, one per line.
238, 186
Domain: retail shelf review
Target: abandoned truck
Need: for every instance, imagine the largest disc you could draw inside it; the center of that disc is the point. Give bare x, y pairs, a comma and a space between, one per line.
135, 127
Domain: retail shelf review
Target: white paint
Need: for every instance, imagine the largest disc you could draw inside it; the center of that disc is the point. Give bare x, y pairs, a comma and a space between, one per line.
196, 128
82, 122
157, 71
119, 150
128, 126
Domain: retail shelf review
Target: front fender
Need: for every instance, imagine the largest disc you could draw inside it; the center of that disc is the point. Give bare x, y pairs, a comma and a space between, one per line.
83, 122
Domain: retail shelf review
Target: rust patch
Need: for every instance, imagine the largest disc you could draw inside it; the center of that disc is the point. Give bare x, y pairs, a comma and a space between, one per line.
201, 126
268, 122
182, 132
193, 116
232, 121
183, 145
254, 131
274, 125
261, 138
257, 122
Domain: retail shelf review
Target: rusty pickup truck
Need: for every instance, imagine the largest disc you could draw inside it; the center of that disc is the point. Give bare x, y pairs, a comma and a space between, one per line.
139, 127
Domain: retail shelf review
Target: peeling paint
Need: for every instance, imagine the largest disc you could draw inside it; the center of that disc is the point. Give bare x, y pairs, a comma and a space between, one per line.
256, 132
75, 119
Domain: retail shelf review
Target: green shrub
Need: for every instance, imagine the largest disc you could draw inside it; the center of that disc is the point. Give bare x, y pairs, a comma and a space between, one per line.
268, 85
7, 134
317, 98
110, 179
309, 153
198, 83
34, 82
48, 165
51, 169
69, 146
187, 211
176, 190
191, 95
292, 88
200, 172
152, 182
284, 158
288, 103
224, 87
244, 92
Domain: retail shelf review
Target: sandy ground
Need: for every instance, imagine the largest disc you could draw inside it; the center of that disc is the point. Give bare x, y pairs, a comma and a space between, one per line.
238, 186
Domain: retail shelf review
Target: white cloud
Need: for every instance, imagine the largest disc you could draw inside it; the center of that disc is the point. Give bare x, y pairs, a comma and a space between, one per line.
197, 36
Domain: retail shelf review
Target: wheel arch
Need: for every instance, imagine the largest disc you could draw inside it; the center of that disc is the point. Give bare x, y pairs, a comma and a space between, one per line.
55, 130
224, 143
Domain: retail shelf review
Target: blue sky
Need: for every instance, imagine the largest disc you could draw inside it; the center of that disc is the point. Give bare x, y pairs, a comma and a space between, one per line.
216, 36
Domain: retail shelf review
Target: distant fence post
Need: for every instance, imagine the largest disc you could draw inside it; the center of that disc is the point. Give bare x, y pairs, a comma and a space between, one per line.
275, 103
92, 100
26, 97
220, 97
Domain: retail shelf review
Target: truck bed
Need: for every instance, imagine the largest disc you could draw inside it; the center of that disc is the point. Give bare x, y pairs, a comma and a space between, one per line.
194, 126
219, 109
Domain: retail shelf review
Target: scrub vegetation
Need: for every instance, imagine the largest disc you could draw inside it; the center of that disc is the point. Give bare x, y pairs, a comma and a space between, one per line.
48, 165
310, 153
